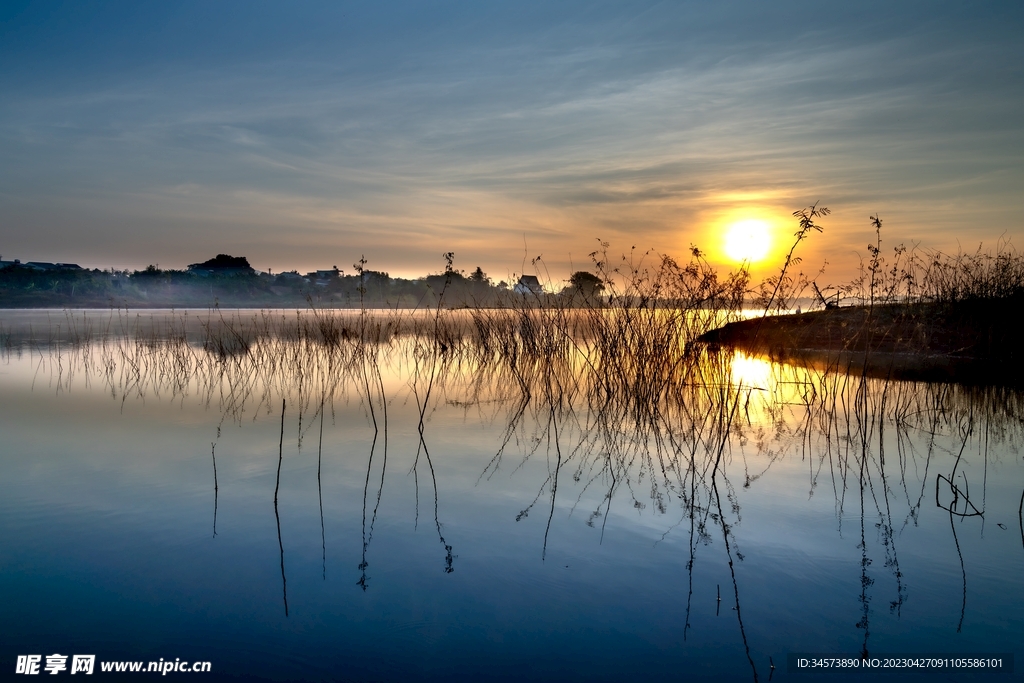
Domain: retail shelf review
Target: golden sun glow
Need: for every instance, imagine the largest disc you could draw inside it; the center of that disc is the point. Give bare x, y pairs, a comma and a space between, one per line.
748, 241
749, 372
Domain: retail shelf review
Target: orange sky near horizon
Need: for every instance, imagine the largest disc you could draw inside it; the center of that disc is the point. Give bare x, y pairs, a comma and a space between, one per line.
305, 137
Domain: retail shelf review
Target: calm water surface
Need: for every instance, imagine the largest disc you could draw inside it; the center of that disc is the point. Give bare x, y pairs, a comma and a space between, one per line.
294, 509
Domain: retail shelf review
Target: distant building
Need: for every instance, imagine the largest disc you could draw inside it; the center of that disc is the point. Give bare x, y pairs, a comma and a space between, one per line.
290, 277
528, 284
322, 278
9, 264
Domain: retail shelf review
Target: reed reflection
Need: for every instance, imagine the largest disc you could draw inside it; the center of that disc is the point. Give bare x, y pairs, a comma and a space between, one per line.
370, 399
216, 488
320, 491
1020, 517
626, 413
277, 516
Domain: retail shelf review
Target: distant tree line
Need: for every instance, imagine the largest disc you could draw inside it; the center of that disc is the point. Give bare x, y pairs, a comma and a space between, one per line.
230, 281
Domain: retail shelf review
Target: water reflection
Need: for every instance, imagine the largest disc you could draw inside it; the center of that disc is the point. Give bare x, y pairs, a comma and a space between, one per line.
216, 488
368, 531
750, 372
607, 432
320, 492
277, 516
1020, 517
423, 404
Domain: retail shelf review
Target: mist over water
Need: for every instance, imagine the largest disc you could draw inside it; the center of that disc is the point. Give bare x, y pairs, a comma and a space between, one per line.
490, 495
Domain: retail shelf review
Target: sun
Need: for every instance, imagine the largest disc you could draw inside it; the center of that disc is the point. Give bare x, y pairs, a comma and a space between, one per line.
748, 241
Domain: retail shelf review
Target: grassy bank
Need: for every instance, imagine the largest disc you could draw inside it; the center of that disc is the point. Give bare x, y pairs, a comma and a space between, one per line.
909, 315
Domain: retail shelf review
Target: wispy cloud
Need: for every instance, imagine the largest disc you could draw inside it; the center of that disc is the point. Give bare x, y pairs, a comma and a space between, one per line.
643, 127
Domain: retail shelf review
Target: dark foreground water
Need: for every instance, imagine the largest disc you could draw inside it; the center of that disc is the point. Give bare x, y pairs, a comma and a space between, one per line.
417, 518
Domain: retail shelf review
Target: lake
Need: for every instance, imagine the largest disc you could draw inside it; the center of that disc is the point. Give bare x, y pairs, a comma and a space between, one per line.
499, 496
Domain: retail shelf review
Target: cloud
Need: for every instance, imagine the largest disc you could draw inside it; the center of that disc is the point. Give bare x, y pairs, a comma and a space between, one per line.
411, 133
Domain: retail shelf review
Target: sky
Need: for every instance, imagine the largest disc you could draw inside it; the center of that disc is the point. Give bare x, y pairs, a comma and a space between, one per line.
308, 134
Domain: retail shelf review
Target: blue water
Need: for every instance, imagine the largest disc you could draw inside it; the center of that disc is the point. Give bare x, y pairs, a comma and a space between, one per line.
107, 507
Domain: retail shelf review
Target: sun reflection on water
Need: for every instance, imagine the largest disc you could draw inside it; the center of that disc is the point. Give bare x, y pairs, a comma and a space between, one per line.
750, 372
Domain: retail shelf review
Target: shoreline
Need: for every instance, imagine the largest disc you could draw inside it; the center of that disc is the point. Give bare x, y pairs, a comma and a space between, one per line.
968, 343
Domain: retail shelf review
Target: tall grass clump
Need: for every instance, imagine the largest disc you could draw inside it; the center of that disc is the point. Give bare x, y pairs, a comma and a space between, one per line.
920, 314
921, 276
973, 277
